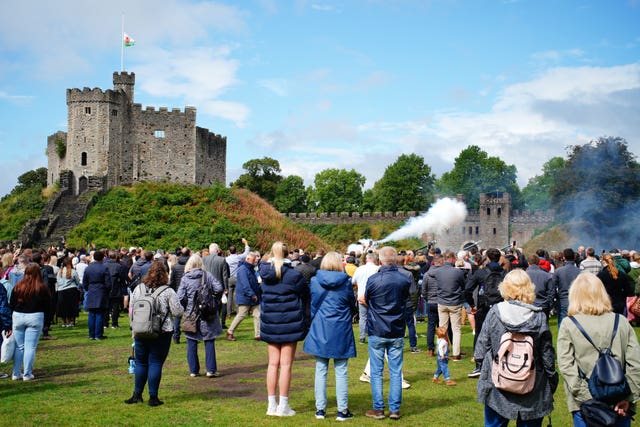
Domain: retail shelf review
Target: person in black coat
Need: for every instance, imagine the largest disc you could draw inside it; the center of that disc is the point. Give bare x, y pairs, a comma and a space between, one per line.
284, 320
97, 283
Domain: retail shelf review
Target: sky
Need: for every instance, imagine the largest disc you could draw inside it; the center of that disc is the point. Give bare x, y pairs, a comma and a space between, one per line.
323, 84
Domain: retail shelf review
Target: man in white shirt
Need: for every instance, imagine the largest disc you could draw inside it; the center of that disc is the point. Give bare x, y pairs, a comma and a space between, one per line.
360, 277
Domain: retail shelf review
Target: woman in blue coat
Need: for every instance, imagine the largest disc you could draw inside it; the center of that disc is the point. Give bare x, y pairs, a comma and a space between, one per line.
284, 321
331, 334
207, 330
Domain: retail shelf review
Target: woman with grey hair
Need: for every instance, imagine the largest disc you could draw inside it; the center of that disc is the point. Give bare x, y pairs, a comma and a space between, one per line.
194, 281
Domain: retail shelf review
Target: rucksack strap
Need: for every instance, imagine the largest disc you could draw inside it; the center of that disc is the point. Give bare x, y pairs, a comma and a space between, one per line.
581, 329
155, 296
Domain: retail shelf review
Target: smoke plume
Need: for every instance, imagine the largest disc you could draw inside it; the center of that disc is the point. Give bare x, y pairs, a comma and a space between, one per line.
444, 214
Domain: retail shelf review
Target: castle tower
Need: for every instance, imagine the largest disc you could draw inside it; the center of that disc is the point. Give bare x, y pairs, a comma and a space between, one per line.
126, 82
495, 211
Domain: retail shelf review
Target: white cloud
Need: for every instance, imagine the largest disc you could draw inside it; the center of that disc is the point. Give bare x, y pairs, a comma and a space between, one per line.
15, 99
278, 86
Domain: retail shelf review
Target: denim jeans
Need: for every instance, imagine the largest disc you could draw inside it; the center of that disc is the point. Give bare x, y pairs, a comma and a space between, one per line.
579, 422
95, 323
562, 312
342, 388
362, 323
410, 320
26, 332
432, 317
209, 356
443, 368
394, 348
493, 419
150, 356
176, 327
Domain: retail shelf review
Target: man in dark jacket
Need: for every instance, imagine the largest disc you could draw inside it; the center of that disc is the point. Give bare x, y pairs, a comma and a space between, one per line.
544, 285
247, 296
97, 283
562, 280
450, 281
305, 267
141, 266
486, 280
174, 282
117, 276
217, 265
386, 294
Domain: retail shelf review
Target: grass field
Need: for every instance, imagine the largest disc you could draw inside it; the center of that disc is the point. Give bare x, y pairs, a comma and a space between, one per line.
82, 382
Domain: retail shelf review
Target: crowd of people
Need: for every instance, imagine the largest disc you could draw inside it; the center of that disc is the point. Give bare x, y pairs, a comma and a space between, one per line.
294, 295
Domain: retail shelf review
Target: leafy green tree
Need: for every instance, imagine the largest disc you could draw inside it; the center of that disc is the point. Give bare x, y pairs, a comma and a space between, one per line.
30, 179
537, 193
474, 172
291, 195
598, 191
338, 190
407, 185
262, 177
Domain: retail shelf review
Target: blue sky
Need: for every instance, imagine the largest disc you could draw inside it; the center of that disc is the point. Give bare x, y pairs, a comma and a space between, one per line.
345, 84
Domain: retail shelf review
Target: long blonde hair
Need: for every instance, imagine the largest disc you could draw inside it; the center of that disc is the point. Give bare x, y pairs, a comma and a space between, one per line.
278, 254
587, 295
611, 265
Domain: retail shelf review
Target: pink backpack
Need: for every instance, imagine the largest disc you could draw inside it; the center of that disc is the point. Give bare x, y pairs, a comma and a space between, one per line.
513, 368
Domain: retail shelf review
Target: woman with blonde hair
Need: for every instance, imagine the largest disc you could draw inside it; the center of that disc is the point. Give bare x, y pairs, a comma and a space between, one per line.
516, 314
617, 284
331, 333
67, 287
590, 305
284, 320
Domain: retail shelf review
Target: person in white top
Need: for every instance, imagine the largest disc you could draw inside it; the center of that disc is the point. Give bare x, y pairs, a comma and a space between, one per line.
360, 277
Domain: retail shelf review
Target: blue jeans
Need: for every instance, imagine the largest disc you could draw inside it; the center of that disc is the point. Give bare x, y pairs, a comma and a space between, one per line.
562, 312
362, 322
443, 368
176, 327
432, 317
342, 388
150, 356
493, 419
209, 356
411, 325
26, 332
95, 323
394, 348
579, 422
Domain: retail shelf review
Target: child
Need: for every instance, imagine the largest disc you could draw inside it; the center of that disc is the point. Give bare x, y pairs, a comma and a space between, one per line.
443, 358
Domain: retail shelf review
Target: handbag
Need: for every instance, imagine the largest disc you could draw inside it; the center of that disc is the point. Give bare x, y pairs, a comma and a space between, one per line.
8, 348
598, 414
189, 323
634, 308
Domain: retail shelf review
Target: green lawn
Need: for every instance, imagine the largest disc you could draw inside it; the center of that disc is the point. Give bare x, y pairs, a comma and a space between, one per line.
82, 382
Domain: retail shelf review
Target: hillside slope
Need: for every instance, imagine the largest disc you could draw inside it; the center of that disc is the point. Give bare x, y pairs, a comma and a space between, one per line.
155, 215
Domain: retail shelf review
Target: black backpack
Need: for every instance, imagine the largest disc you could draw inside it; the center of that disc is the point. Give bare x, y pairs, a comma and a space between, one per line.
206, 301
607, 382
489, 293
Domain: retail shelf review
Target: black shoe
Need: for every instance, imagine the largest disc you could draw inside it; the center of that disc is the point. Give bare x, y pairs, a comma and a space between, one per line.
135, 398
176, 340
154, 401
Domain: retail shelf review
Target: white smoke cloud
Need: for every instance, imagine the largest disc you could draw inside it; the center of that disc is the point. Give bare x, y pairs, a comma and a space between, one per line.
443, 214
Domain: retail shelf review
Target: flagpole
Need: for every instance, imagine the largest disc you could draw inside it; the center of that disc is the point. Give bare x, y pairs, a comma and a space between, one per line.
122, 46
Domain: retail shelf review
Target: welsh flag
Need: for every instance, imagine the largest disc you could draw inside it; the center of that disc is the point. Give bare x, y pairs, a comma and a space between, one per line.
128, 41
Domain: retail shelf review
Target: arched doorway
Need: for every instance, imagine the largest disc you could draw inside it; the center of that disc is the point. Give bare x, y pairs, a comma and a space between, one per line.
82, 184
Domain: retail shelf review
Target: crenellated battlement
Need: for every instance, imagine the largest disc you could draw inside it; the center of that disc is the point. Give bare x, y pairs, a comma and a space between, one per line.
188, 111
93, 95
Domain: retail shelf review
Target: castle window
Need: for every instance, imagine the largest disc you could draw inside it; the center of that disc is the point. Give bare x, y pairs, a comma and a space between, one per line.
114, 113
83, 159
499, 211
159, 134
477, 230
470, 230
494, 231
488, 211
87, 110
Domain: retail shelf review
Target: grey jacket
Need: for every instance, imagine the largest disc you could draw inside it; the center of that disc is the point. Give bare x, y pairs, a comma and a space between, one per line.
450, 285
516, 316
562, 279
544, 287
430, 286
207, 329
575, 351
217, 265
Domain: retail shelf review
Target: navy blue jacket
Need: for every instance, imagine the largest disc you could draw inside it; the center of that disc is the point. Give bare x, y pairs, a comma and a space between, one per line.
247, 285
96, 280
331, 333
284, 313
386, 295
5, 311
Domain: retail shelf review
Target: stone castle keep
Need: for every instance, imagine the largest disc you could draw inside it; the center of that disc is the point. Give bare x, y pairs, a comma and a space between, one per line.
111, 141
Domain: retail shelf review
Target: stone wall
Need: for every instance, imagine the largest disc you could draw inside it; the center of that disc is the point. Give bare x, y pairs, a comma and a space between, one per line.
211, 154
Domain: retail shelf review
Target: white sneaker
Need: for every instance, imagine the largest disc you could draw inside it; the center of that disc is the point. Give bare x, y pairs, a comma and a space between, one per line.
28, 377
405, 384
285, 411
272, 410
365, 378
16, 377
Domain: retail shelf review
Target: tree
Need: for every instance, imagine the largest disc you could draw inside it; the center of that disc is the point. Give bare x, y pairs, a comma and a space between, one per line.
537, 193
474, 172
598, 191
30, 179
262, 177
291, 195
338, 190
407, 185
